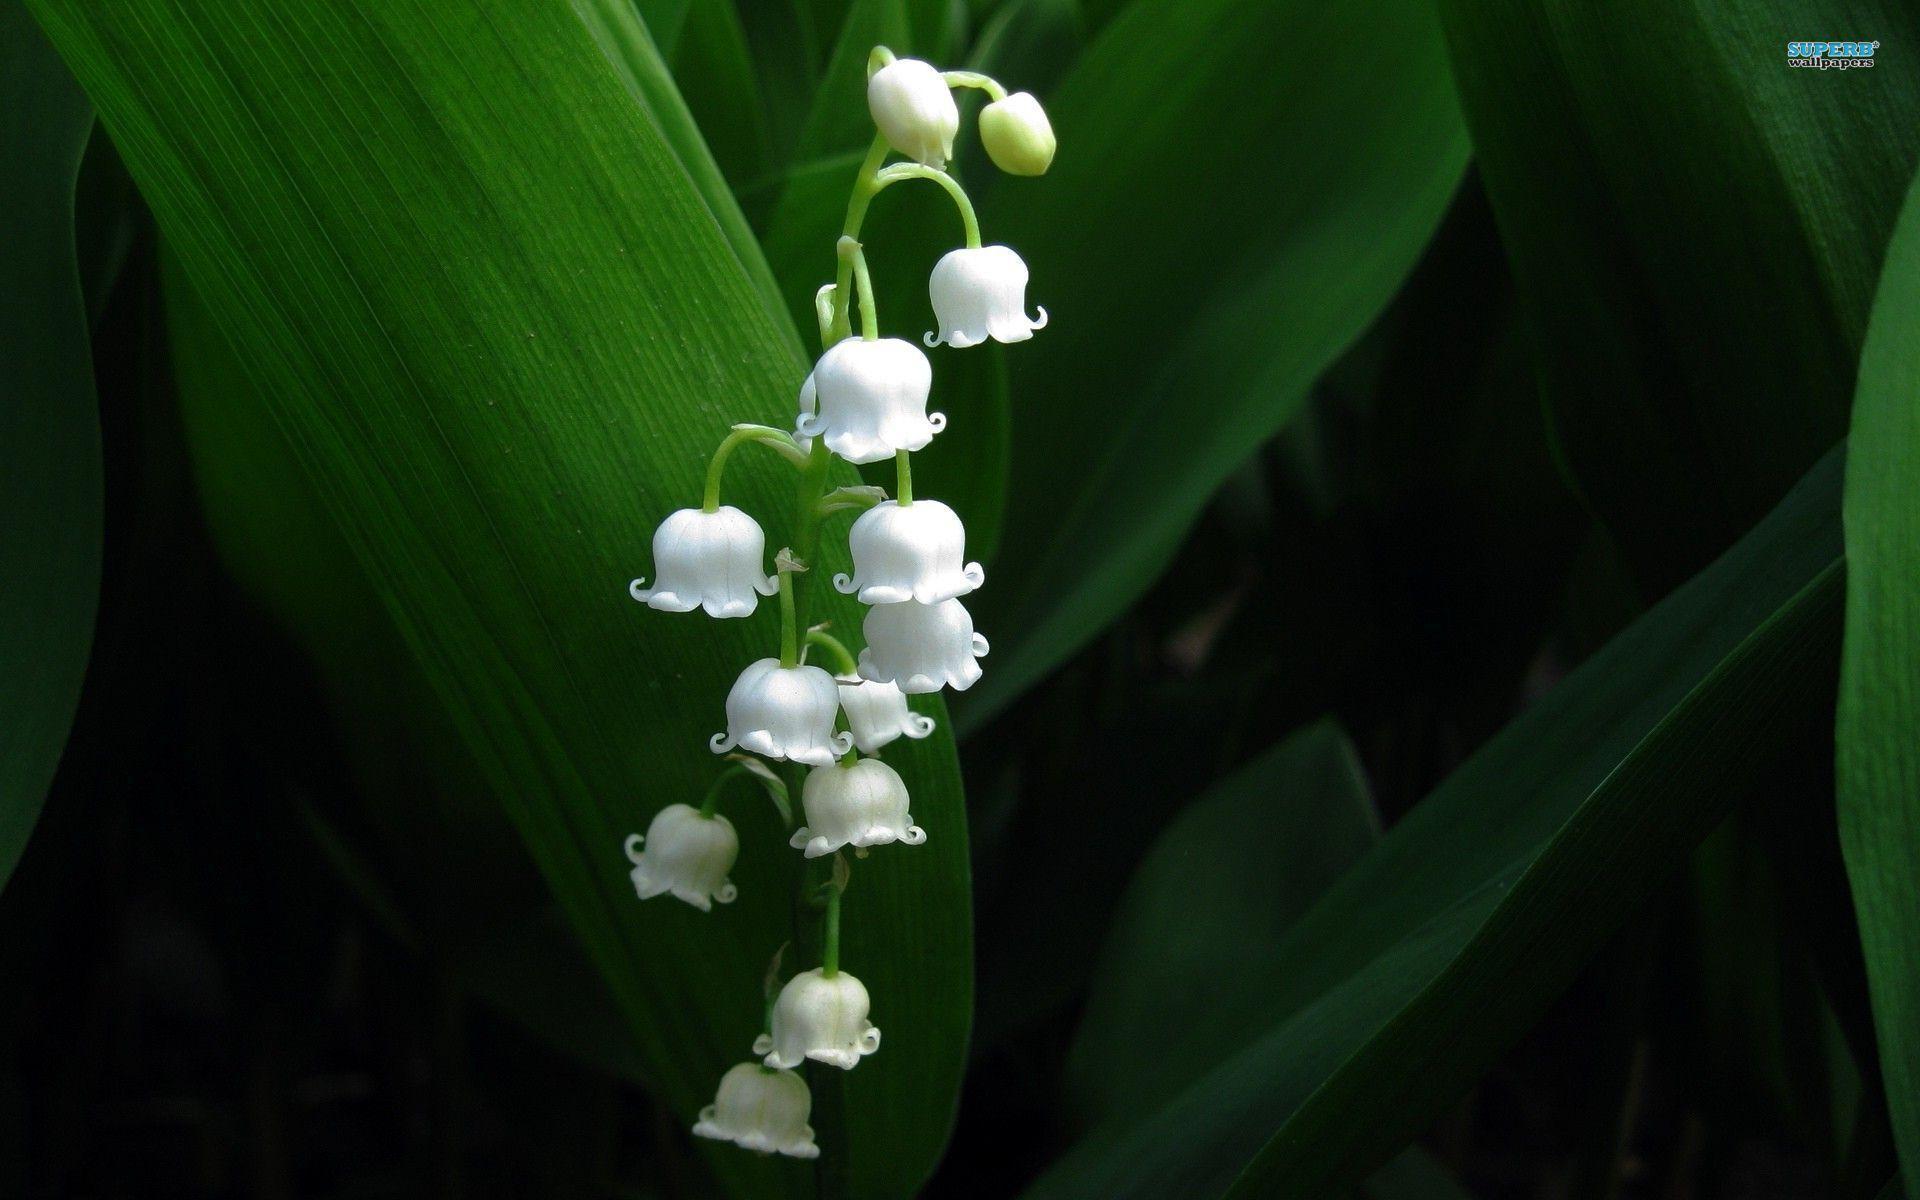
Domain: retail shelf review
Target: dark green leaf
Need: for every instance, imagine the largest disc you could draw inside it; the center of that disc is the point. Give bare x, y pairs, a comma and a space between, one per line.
500, 359
1225, 881
1215, 230
637, 63
1878, 733
1414, 1175
50, 488
1695, 233
715, 71
1439, 949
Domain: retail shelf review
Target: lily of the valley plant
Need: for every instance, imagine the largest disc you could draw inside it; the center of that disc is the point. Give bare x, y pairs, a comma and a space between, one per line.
865, 401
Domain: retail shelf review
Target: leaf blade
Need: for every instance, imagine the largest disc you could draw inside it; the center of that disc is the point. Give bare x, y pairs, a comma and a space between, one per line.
499, 360
1878, 763
51, 500
1411, 973
1188, 321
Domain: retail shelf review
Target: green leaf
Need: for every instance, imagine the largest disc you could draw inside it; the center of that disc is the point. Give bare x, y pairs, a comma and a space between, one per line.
500, 329
1695, 242
630, 50
1414, 1175
1215, 231
715, 71
50, 486
1878, 752
1422, 964
1225, 880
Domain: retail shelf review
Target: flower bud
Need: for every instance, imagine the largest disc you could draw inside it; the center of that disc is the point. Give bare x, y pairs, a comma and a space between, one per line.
784, 712
759, 1108
860, 804
822, 1017
708, 560
980, 293
868, 399
1017, 135
687, 854
909, 552
922, 647
914, 110
877, 713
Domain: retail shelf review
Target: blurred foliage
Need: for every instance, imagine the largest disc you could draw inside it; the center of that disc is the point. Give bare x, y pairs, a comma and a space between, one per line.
1407, 764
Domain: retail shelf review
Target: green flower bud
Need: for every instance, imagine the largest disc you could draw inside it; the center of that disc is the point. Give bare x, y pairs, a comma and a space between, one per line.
1017, 135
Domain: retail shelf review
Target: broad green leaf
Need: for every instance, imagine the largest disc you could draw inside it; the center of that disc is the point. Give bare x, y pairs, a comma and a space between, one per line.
630, 50
664, 19
435, 861
500, 328
1442, 946
1213, 233
1695, 234
1878, 733
50, 487
529, 968
1226, 880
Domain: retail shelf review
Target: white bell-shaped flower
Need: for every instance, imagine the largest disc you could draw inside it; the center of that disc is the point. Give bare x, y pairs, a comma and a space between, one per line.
922, 647
868, 399
860, 804
914, 109
710, 560
877, 713
759, 1108
822, 1017
784, 712
909, 552
686, 854
981, 293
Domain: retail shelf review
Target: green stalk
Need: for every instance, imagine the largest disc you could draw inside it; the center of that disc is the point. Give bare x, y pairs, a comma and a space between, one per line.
869, 314
711, 803
830, 946
779, 439
806, 535
969, 221
836, 649
974, 79
789, 639
864, 188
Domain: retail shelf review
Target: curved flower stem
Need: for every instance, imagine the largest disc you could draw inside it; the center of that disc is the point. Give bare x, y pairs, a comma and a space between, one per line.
974, 79
869, 316
779, 439
836, 649
879, 57
903, 470
899, 171
712, 801
830, 940
806, 534
789, 643
863, 189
